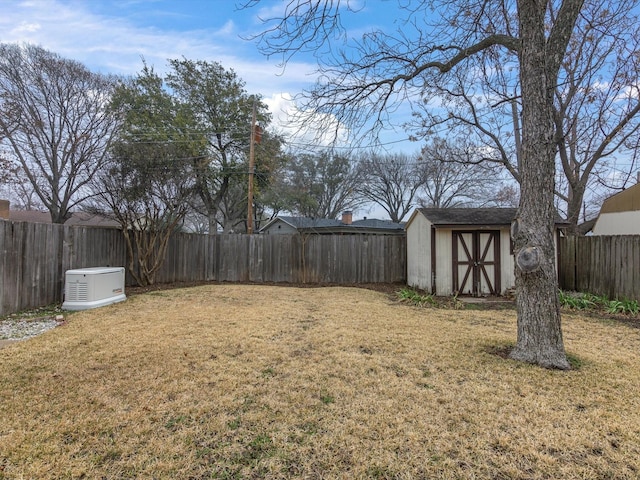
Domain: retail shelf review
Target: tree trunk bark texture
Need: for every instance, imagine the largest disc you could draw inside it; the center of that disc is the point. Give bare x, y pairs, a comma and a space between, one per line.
574, 207
539, 331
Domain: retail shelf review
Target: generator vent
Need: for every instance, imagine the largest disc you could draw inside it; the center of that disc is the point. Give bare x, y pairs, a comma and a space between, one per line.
93, 287
77, 292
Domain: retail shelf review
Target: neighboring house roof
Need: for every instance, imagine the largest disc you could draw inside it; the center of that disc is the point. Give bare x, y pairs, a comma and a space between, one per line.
80, 219
376, 223
620, 214
625, 201
29, 216
86, 219
306, 222
328, 226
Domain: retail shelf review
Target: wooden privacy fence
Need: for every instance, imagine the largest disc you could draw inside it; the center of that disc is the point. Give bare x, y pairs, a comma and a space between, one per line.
340, 259
34, 257
603, 265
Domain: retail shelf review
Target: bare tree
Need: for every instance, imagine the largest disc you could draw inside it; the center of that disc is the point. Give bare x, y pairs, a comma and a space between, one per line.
56, 123
15, 186
147, 193
11, 183
507, 196
595, 109
361, 88
390, 181
450, 180
597, 100
320, 185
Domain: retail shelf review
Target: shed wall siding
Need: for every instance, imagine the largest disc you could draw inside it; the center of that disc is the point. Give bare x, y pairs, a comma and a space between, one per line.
444, 261
507, 261
419, 247
419, 253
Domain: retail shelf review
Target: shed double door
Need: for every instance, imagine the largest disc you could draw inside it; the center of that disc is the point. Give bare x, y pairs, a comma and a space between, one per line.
476, 262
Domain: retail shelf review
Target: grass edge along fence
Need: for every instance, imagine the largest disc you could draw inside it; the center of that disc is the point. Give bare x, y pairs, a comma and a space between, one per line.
35, 256
601, 265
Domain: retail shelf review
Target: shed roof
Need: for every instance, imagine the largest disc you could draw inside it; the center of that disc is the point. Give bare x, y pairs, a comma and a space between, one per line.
469, 216
474, 217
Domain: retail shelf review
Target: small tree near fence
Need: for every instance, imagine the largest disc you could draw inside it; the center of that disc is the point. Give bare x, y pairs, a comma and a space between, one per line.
147, 184
148, 210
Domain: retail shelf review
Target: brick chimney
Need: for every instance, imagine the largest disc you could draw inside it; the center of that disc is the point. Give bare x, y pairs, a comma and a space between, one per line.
4, 209
347, 217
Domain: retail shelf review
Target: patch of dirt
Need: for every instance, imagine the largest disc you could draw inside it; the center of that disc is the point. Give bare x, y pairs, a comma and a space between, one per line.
389, 288
5, 343
598, 315
502, 351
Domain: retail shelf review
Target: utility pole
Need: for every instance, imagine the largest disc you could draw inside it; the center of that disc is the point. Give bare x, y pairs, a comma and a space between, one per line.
251, 169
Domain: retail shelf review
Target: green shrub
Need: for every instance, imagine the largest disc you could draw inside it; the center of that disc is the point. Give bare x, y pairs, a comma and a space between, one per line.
627, 307
590, 301
410, 295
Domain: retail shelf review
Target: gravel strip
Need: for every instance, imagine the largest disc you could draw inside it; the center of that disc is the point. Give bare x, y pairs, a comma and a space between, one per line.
21, 329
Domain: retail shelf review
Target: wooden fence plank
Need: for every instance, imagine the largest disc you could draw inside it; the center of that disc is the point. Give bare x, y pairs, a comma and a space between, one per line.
4, 263
567, 263
14, 269
635, 269
604, 265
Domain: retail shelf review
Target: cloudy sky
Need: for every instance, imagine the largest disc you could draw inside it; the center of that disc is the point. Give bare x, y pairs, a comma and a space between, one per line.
113, 36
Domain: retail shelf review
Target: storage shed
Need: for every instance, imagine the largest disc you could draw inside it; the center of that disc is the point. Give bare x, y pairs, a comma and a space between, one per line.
467, 251
464, 251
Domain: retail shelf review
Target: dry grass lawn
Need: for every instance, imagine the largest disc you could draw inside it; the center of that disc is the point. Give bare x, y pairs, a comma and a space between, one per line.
243, 381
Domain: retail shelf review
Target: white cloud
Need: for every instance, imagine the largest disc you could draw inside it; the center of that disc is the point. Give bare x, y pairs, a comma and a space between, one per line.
228, 28
26, 27
304, 130
113, 44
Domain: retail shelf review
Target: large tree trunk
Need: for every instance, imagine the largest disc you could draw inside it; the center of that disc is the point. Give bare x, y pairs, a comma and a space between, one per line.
213, 223
574, 207
57, 216
539, 332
